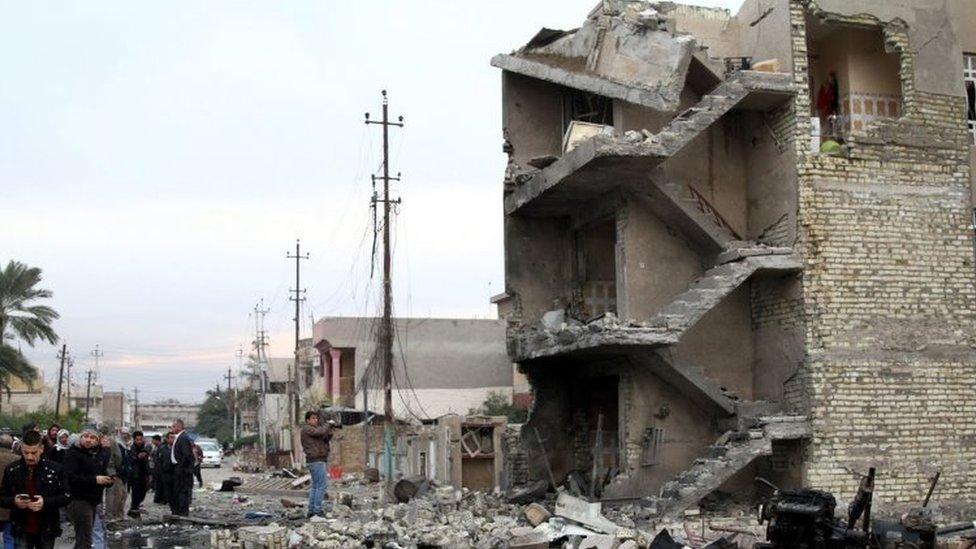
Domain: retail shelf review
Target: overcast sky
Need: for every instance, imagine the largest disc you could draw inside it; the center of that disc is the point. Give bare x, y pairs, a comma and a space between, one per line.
158, 159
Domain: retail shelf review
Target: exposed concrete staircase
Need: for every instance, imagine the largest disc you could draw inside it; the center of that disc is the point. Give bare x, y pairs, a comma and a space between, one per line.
707, 474
599, 165
731, 453
714, 105
717, 283
688, 124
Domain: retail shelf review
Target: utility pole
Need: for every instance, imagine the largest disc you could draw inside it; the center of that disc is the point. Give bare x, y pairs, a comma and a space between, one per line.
298, 299
57, 403
386, 328
88, 397
237, 413
260, 342
97, 354
230, 402
71, 363
135, 408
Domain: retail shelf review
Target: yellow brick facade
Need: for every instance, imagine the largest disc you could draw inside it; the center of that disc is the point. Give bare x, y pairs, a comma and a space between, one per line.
888, 293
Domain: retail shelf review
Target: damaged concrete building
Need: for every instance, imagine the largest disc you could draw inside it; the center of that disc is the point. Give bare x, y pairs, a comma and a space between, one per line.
742, 245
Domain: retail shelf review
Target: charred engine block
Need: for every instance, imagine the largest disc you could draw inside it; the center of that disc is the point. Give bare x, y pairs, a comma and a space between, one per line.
804, 519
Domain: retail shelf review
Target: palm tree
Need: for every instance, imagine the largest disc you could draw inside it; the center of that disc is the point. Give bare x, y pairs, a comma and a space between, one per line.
22, 318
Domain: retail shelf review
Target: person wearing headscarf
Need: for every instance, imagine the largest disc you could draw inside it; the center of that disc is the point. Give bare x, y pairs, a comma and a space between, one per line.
55, 453
117, 494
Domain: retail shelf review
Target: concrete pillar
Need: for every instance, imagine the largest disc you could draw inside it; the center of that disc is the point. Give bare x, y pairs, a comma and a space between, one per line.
334, 373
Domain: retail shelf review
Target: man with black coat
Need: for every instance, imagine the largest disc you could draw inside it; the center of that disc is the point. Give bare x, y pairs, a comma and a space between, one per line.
183, 461
85, 470
34, 489
163, 471
138, 472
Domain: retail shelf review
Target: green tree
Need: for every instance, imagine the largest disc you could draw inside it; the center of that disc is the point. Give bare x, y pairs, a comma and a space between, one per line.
22, 318
497, 404
71, 421
214, 417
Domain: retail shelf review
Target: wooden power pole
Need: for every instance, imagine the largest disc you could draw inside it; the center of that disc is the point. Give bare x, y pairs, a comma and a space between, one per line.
88, 397
260, 342
230, 400
297, 298
63, 355
386, 329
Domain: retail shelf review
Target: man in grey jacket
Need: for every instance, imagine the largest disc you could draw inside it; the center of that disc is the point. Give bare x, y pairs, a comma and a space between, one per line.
315, 443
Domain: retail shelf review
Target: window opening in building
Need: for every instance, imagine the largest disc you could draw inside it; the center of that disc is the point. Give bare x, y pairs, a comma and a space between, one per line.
584, 116
854, 79
969, 73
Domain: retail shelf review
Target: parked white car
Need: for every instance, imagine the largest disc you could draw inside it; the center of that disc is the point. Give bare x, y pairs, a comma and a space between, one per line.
212, 454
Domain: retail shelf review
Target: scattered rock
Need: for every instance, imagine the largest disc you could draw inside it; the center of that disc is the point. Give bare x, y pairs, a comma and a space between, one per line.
536, 514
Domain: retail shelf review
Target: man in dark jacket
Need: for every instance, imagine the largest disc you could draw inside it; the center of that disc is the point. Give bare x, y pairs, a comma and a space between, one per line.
138, 472
183, 460
162, 471
85, 470
315, 444
34, 490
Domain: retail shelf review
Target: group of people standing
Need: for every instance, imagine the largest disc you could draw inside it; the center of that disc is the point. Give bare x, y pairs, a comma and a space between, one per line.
89, 476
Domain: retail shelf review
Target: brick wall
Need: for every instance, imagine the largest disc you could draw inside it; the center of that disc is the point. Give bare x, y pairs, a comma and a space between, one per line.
888, 294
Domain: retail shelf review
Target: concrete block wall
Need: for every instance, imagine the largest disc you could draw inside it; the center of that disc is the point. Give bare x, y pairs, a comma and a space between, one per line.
889, 290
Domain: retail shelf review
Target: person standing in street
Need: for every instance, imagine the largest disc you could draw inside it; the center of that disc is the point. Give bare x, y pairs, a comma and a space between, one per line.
183, 461
163, 471
138, 473
34, 490
198, 461
118, 467
86, 476
56, 453
51, 437
315, 443
7, 456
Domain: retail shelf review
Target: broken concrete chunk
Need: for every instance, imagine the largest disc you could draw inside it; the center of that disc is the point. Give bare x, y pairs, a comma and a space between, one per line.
585, 513
530, 540
536, 514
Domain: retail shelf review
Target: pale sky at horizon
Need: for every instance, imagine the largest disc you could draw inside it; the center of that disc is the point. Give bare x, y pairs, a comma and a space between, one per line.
159, 159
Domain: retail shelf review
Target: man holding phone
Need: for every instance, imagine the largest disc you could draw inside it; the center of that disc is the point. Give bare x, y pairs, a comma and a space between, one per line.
34, 489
